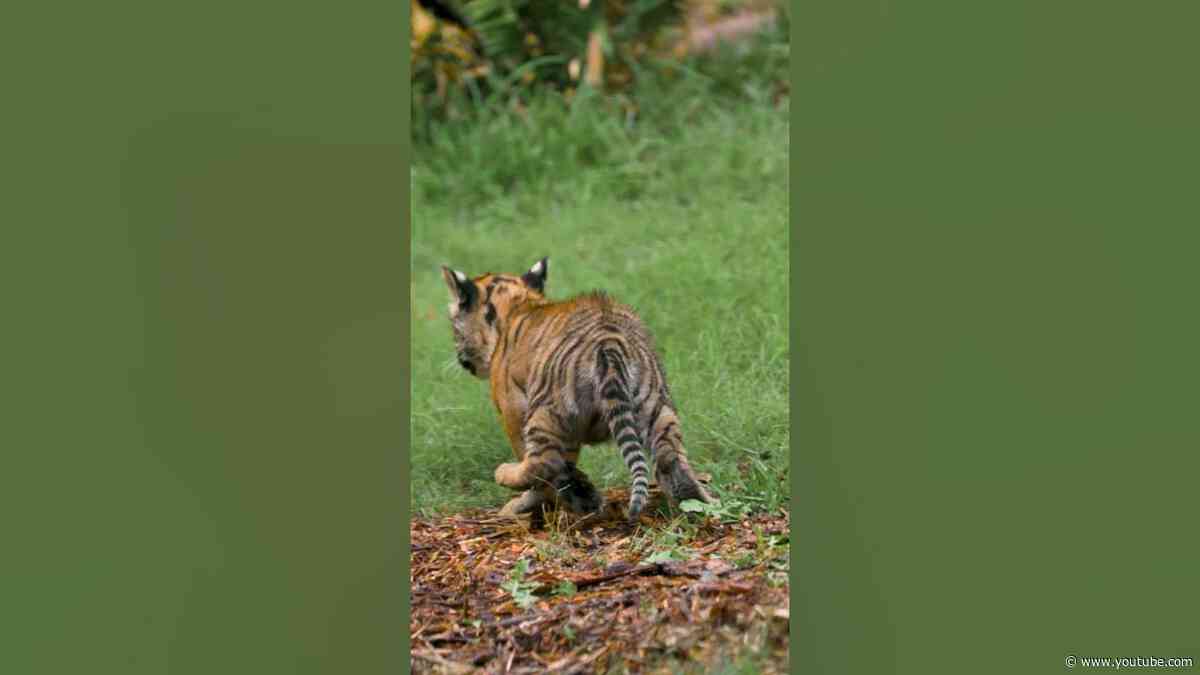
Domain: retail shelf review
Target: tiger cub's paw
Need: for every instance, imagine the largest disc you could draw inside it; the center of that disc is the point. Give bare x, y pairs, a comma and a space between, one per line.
578, 493
681, 484
510, 475
523, 503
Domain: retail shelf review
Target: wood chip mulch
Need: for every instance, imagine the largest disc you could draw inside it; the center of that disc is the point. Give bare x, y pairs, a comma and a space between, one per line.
718, 597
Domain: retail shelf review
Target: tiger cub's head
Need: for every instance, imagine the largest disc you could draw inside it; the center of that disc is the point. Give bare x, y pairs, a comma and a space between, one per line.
479, 308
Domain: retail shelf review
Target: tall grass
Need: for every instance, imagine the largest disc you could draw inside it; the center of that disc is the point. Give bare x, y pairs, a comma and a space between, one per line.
680, 210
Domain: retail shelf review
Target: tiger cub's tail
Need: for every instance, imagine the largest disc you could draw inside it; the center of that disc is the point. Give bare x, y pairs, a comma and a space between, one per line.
619, 414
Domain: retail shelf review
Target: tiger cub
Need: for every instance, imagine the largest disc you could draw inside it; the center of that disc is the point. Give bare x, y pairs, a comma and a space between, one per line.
565, 374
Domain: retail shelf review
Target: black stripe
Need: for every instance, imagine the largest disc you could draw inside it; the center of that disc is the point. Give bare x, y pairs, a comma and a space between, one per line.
574, 329
551, 324
614, 392
548, 382
503, 348
616, 361
628, 437
614, 368
516, 385
520, 323
612, 337
537, 402
562, 351
658, 406
658, 439
564, 355
503, 339
541, 438
541, 389
649, 377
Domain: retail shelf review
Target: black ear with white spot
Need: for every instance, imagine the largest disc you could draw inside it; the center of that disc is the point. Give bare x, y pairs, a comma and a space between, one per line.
461, 288
535, 278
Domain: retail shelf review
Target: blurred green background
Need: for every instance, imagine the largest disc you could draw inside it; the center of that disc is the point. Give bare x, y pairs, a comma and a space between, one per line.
670, 191
204, 377
995, 349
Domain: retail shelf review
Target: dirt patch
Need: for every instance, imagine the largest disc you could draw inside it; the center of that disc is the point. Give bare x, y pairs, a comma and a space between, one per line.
596, 595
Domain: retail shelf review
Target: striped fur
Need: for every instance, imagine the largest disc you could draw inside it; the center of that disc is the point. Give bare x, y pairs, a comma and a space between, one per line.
564, 375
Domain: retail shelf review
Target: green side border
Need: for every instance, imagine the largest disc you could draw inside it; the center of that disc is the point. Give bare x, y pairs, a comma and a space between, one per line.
994, 370
205, 327
403, 263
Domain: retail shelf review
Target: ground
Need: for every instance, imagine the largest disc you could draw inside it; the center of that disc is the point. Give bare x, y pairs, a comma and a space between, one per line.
690, 593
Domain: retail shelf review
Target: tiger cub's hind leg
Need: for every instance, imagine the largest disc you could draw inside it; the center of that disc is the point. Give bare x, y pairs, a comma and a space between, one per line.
671, 468
578, 494
548, 468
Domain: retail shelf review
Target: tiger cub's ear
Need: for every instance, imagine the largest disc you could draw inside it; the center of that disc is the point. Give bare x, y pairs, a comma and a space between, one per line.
461, 288
535, 278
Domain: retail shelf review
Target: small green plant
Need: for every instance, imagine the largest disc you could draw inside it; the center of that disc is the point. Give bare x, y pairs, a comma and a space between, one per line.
521, 591
666, 555
666, 544
778, 567
568, 632
728, 511
647, 607
744, 560
765, 545
565, 589
550, 551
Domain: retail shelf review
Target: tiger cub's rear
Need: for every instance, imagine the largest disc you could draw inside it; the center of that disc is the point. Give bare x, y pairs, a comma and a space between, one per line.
563, 375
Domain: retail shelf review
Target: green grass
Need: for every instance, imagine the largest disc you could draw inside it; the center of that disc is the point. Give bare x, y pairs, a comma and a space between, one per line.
681, 212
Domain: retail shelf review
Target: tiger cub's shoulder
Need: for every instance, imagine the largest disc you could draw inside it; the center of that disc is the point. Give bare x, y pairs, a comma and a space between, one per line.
599, 300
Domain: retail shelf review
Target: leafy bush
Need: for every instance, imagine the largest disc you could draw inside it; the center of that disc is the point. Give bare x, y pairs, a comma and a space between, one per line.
533, 42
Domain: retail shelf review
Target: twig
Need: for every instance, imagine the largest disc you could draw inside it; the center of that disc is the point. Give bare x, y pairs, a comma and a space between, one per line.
583, 521
636, 569
445, 663
514, 620
447, 636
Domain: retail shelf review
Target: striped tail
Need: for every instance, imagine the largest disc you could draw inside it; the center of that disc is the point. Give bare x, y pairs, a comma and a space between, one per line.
621, 422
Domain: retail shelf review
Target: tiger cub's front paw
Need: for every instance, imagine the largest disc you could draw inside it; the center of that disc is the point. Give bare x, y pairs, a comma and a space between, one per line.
524, 503
509, 476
